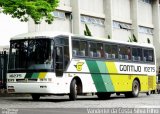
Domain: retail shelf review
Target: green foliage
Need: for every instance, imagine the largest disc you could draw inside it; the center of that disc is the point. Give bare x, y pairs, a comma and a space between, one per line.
133, 39
148, 40
87, 32
36, 9
109, 37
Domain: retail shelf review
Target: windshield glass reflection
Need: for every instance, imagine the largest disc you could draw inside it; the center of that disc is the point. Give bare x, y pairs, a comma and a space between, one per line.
32, 54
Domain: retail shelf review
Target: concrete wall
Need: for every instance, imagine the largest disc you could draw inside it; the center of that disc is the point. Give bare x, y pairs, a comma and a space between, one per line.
135, 13
59, 24
94, 6
145, 14
121, 10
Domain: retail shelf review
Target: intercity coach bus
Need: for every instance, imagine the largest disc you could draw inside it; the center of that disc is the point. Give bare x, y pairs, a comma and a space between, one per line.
52, 63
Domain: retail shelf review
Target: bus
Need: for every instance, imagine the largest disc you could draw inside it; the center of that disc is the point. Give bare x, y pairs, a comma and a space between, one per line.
54, 63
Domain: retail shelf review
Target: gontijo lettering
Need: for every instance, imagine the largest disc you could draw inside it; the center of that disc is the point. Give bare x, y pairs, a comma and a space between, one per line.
130, 68
134, 68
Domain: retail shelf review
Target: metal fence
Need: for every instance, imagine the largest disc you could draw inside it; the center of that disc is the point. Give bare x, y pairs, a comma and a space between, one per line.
3, 69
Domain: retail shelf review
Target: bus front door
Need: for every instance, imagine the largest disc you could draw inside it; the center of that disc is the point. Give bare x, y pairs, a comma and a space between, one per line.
59, 61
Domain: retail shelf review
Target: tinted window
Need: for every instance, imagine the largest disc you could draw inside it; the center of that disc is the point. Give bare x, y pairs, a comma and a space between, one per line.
83, 48
124, 53
30, 54
92, 49
148, 55
80, 48
137, 54
111, 51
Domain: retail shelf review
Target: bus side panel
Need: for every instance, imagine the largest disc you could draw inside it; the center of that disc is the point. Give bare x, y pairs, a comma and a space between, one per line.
123, 81
104, 76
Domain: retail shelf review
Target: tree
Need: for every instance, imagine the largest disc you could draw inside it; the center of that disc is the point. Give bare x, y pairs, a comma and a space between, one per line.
36, 9
87, 32
133, 39
109, 37
148, 40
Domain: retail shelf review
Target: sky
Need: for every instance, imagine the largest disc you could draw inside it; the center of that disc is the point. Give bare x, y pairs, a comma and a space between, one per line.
10, 27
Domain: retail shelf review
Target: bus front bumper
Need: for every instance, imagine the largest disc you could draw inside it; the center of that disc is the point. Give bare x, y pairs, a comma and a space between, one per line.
41, 88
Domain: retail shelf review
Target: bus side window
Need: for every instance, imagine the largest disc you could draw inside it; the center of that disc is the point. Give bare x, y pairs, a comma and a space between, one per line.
111, 51
83, 48
75, 46
148, 55
137, 54
100, 50
93, 49
79, 48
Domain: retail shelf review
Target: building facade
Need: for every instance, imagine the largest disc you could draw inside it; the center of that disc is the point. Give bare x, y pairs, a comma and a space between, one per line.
117, 19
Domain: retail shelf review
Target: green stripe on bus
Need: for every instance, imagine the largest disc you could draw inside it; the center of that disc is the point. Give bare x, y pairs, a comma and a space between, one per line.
106, 77
35, 75
28, 75
96, 76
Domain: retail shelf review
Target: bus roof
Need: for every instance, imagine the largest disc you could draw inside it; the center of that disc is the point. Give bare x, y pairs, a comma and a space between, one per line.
37, 35
51, 34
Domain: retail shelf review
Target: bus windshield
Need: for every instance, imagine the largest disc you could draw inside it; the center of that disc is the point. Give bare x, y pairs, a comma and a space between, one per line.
31, 54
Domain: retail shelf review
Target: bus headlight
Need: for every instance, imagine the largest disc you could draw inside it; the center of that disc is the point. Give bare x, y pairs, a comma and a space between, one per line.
10, 80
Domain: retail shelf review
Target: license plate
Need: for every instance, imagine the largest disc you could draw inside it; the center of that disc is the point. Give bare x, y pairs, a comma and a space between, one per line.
11, 90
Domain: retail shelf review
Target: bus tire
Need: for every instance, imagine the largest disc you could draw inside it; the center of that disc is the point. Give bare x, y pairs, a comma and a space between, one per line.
127, 94
135, 90
148, 93
103, 95
153, 91
35, 97
118, 94
73, 90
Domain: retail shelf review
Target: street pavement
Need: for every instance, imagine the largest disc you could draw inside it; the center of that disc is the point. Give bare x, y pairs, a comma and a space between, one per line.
84, 104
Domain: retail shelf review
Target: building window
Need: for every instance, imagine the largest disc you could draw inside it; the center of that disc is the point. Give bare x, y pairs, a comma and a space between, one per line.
147, 1
92, 20
145, 30
120, 25
59, 14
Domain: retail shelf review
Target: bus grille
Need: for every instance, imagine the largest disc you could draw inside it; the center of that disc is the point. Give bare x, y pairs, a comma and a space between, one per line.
26, 80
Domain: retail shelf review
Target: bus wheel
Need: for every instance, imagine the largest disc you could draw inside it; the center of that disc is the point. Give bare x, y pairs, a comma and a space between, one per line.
73, 90
118, 94
103, 95
153, 91
148, 93
135, 90
35, 97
